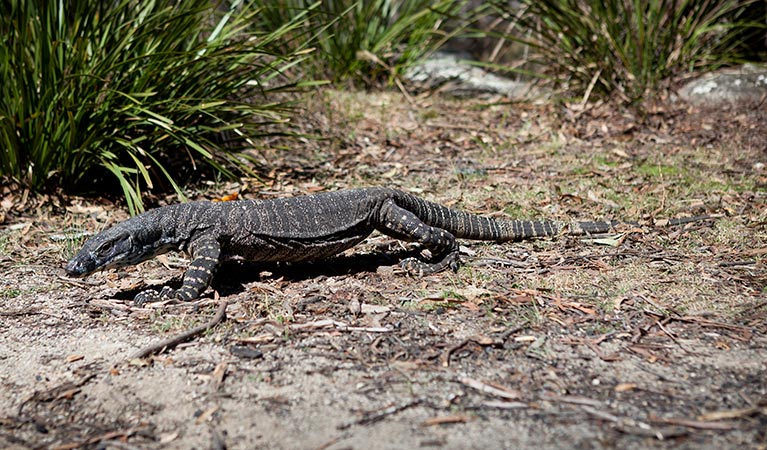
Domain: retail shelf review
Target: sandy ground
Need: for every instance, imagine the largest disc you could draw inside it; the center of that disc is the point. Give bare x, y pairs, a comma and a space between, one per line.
654, 338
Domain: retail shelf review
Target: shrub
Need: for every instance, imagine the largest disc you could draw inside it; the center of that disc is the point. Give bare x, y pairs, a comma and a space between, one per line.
362, 41
132, 89
627, 47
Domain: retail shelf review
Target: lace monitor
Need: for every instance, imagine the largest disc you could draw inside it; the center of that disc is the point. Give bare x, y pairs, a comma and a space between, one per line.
305, 228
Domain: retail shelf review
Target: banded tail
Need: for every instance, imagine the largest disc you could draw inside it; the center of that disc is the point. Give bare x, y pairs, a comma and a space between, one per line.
465, 225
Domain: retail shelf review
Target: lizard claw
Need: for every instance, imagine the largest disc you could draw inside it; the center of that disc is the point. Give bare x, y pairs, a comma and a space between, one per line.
412, 266
151, 295
416, 267
147, 296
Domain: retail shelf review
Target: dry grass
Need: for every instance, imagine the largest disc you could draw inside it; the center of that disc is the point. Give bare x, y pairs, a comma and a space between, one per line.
669, 324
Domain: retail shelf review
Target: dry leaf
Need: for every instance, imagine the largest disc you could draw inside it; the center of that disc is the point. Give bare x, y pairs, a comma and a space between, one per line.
206, 415
624, 387
219, 373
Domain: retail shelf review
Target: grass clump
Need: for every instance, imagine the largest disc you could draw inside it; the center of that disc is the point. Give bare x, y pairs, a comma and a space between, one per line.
627, 48
361, 41
137, 92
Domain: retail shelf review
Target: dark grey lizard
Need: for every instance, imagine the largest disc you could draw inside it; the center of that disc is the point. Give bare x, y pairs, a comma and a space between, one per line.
306, 228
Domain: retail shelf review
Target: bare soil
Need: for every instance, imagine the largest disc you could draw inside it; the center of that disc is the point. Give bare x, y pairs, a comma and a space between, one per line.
654, 337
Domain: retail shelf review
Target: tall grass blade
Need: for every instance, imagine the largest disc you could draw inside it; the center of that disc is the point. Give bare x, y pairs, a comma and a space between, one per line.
136, 91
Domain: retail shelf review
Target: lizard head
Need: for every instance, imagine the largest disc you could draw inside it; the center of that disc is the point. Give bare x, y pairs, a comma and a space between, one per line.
114, 247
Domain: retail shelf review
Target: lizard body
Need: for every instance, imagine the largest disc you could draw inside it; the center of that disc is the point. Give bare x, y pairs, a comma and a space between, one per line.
304, 228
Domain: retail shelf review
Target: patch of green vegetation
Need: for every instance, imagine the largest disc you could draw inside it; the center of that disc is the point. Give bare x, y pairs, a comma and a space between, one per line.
283, 319
474, 275
376, 298
452, 300
10, 293
138, 93
601, 328
256, 379
4, 240
602, 160
580, 170
469, 174
69, 247
627, 49
730, 233
708, 184
516, 211
531, 314
484, 144
659, 170
623, 200
168, 323
430, 301
346, 104
361, 41
428, 114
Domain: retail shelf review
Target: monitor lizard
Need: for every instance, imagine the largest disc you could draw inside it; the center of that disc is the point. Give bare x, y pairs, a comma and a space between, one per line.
304, 228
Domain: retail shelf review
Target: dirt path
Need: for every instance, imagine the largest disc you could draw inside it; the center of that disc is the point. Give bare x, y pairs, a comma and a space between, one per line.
653, 338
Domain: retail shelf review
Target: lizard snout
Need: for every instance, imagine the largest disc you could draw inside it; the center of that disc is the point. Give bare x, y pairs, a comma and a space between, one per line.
75, 268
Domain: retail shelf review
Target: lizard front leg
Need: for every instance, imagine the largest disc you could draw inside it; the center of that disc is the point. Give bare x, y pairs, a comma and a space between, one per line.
206, 256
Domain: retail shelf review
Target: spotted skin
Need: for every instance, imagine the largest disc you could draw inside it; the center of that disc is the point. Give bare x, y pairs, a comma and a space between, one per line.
206, 256
305, 228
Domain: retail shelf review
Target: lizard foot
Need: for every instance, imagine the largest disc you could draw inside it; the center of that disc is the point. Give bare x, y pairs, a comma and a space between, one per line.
151, 295
415, 266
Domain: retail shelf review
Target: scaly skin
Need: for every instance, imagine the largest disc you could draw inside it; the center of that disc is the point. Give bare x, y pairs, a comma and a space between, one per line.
306, 228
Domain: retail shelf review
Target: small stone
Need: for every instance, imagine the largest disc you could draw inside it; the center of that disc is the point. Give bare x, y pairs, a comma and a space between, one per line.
355, 307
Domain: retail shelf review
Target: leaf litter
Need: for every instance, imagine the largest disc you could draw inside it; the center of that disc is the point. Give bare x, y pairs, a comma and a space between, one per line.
654, 336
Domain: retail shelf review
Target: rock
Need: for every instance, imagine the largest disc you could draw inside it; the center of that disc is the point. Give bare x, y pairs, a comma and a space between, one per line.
744, 84
454, 75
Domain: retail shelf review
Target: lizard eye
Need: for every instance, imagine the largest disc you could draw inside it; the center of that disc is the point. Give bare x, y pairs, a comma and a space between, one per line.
104, 249
112, 246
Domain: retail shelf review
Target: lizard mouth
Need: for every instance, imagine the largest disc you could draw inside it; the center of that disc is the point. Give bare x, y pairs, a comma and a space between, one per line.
73, 272
74, 269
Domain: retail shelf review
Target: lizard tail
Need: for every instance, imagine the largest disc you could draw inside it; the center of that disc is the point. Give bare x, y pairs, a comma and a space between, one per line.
465, 225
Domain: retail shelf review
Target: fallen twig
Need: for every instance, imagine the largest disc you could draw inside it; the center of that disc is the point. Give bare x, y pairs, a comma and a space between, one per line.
732, 414
573, 399
64, 390
445, 357
80, 283
698, 424
490, 389
183, 337
741, 333
657, 433
375, 416
505, 405
327, 444
441, 420
23, 312
748, 262
340, 326
686, 220
109, 436
482, 341
604, 415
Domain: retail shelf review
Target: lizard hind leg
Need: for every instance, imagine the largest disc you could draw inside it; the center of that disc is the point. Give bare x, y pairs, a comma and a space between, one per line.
402, 224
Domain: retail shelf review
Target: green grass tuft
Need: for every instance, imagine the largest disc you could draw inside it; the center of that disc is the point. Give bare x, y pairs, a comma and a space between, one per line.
627, 48
132, 91
362, 41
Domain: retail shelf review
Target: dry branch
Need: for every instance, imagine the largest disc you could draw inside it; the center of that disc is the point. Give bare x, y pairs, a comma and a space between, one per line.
183, 337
